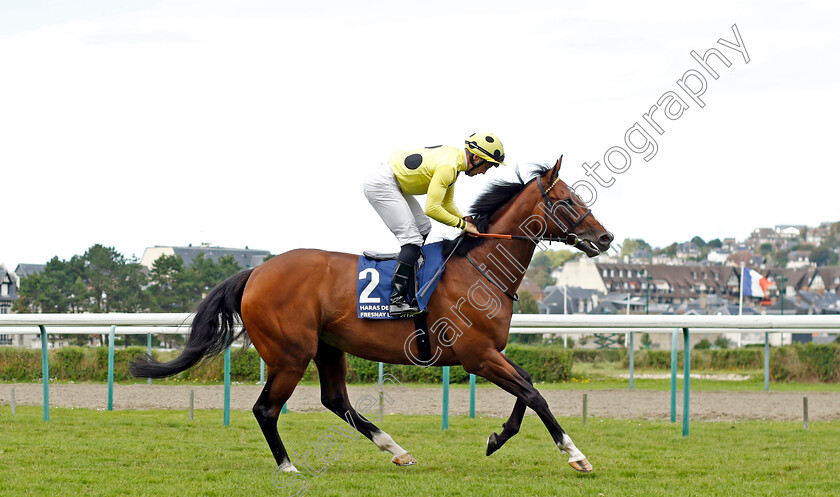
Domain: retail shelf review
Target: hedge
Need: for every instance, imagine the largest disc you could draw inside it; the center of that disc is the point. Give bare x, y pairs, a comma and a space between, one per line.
803, 363
91, 364
703, 359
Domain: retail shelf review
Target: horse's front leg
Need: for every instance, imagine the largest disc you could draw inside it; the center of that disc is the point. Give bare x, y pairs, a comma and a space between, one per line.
503, 372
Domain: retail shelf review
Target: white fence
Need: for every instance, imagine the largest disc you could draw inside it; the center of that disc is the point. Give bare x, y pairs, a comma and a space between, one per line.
159, 323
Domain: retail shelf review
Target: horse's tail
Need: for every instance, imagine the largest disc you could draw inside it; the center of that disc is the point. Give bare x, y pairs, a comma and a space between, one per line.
212, 330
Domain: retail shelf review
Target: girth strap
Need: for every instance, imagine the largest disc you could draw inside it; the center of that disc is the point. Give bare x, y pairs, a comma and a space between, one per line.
424, 348
484, 273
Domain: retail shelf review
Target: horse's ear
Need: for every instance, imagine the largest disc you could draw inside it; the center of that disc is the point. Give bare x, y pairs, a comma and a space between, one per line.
555, 171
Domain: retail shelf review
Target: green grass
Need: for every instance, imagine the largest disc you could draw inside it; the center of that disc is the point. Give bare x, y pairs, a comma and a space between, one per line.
161, 453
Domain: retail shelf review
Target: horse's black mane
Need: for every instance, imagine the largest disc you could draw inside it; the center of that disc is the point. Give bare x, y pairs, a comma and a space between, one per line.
497, 194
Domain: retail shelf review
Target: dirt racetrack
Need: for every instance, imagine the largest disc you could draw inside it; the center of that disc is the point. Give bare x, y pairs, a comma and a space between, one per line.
490, 401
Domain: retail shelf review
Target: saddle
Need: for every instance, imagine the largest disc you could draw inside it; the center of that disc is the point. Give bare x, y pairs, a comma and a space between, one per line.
392, 256
380, 256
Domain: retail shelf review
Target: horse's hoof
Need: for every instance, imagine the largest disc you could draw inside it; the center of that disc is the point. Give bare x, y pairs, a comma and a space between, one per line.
581, 466
492, 443
404, 460
287, 467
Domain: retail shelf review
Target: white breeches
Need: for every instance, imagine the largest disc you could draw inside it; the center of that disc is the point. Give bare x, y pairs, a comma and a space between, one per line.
401, 213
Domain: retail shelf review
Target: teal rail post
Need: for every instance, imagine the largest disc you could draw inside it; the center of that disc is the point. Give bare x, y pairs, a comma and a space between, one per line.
111, 368
472, 396
381, 393
149, 349
686, 379
674, 376
45, 372
766, 361
227, 387
632, 361
445, 422
262, 371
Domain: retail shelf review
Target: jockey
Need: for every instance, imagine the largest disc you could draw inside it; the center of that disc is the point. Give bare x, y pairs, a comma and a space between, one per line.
429, 171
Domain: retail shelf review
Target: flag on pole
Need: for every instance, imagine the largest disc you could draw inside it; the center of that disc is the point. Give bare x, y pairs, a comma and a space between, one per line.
754, 284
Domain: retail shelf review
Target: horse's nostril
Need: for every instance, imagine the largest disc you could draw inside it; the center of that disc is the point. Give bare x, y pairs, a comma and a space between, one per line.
607, 238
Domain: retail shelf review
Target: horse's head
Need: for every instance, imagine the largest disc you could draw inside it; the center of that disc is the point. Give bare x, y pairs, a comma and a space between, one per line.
564, 216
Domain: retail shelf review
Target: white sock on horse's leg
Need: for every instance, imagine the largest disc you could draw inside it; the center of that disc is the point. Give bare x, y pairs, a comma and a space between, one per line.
387, 444
569, 447
288, 467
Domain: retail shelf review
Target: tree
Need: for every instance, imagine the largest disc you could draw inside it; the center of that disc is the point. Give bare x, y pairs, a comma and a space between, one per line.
670, 250
527, 303
779, 258
560, 256
114, 283
169, 285
539, 271
715, 244
204, 274
59, 288
833, 240
177, 288
823, 256
699, 242
101, 280
631, 245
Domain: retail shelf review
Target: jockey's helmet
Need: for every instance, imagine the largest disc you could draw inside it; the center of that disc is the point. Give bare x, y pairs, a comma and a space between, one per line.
487, 146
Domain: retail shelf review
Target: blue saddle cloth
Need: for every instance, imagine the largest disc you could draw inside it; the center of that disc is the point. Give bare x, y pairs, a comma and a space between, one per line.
373, 288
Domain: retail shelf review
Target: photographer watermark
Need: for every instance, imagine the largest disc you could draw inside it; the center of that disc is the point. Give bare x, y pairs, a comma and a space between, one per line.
506, 271
639, 138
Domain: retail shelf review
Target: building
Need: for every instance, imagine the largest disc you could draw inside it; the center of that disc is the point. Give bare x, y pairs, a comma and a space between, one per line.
666, 284
247, 258
825, 279
24, 270
799, 259
8, 293
577, 300
717, 256
8, 289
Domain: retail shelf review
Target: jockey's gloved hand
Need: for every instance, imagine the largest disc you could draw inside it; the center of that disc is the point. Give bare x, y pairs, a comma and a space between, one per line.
471, 229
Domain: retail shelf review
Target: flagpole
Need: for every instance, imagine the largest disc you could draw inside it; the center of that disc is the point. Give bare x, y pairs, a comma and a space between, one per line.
565, 297
741, 292
741, 301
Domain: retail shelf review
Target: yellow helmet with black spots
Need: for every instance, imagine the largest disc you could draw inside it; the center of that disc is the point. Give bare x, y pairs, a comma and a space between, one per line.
487, 146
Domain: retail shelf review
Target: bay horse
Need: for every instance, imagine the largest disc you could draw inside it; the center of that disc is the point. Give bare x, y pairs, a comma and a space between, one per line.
301, 306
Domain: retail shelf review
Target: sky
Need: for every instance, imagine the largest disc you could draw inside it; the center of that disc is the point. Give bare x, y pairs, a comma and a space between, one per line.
253, 123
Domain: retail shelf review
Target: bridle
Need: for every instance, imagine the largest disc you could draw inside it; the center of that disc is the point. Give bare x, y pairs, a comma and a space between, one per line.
569, 237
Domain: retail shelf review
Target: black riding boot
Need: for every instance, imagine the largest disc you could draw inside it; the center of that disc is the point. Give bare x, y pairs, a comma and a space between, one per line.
402, 281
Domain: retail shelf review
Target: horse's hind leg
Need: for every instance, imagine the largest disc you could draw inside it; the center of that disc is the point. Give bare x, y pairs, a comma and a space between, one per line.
278, 388
332, 371
511, 426
500, 370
